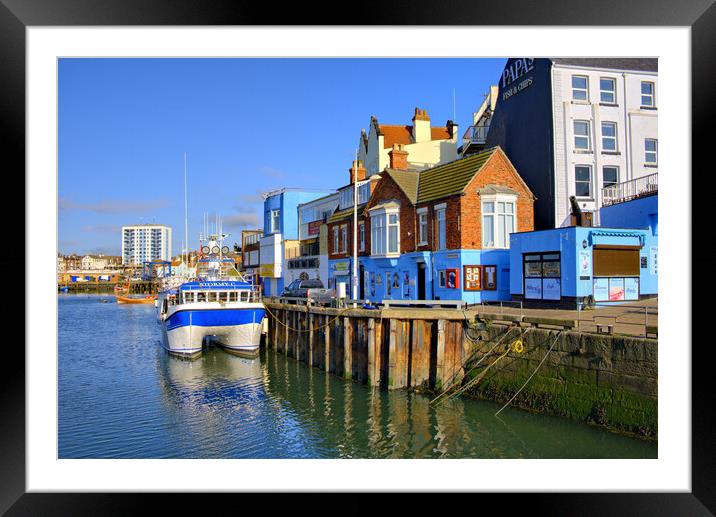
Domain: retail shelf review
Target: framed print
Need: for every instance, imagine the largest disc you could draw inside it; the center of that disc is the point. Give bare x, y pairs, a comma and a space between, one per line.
472, 276
99, 104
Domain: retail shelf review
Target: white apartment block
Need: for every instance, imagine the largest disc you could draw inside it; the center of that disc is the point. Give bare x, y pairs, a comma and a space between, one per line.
146, 242
606, 129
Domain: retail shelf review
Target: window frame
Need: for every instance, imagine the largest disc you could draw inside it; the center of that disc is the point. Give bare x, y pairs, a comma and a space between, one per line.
441, 217
422, 226
604, 183
335, 239
651, 95
591, 181
275, 217
585, 89
361, 236
613, 91
496, 199
614, 138
380, 233
655, 152
588, 136
344, 238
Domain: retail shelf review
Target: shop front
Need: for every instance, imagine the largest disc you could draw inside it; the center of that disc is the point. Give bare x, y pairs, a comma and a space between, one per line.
566, 266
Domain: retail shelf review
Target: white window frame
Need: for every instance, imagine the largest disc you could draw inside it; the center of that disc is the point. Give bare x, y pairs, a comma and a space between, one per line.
612, 92
655, 152
275, 219
441, 233
591, 181
335, 240
615, 167
380, 233
344, 238
422, 226
585, 89
361, 233
614, 138
651, 95
588, 136
496, 199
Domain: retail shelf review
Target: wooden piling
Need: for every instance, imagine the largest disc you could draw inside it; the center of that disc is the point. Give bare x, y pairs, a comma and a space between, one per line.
347, 348
440, 352
373, 355
310, 339
327, 344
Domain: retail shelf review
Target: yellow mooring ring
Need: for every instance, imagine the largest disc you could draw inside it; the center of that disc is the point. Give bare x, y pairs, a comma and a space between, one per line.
517, 346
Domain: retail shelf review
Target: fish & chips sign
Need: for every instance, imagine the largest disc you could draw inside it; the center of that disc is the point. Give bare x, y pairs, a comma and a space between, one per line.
513, 73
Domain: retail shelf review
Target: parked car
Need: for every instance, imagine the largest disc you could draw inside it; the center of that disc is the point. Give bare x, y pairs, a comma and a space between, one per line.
311, 288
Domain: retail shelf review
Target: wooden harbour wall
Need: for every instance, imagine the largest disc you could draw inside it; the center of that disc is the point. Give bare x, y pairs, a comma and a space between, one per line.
607, 380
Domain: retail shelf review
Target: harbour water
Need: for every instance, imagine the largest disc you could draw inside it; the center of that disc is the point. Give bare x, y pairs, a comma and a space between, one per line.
122, 396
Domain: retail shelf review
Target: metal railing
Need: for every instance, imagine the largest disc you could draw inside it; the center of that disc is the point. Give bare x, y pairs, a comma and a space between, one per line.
635, 320
632, 189
475, 135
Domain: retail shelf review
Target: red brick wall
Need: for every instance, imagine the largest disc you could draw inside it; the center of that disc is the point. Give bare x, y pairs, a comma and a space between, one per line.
497, 170
348, 221
387, 190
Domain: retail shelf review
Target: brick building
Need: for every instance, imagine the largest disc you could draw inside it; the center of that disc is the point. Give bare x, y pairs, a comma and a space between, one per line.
440, 233
340, 227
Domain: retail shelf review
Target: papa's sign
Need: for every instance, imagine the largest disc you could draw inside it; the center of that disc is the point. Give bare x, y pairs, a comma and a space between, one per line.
517, 69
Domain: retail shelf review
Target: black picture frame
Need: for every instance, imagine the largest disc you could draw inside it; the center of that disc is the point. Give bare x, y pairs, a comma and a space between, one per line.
16, 15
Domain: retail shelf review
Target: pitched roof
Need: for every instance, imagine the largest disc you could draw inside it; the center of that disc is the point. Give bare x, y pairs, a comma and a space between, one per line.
451, 178
404, 134
342, 214
407, 181
637, 64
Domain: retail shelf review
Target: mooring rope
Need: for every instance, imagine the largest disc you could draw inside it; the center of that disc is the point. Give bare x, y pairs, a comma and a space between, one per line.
306, 330
451, 383
533, 373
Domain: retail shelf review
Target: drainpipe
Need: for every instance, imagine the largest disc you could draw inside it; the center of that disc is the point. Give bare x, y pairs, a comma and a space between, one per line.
627, 130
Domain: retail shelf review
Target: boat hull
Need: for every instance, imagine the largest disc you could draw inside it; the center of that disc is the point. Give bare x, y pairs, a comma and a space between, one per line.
128, 300
236, 328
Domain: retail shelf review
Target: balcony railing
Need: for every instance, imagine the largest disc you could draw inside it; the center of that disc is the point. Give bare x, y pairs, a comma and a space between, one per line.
475, 135
632, 189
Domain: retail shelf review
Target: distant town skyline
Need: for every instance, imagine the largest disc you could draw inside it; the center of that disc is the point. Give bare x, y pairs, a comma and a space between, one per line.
247, 126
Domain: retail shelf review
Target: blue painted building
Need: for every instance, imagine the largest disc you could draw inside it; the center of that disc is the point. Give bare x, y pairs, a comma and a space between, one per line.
614, 263
281, 233
440, 233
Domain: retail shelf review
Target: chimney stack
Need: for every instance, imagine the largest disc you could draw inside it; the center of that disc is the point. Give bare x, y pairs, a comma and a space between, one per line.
398, 157
360, 170
421, 126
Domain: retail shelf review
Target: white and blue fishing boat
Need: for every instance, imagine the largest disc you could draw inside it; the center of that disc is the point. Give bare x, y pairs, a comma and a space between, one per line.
217, 307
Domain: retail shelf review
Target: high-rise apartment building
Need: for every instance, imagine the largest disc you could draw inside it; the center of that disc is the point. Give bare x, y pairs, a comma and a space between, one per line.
145, 242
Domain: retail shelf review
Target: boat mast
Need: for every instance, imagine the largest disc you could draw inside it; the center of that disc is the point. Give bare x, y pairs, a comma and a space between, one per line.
186, 222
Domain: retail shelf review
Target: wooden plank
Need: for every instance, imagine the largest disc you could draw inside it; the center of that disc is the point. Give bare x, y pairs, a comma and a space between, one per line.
440, 368
347, 348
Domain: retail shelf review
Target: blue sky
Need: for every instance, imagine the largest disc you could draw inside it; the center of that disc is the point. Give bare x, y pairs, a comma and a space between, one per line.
247, 126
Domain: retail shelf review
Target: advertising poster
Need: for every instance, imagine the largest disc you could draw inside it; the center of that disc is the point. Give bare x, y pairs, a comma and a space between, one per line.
551, 289
406, 284
631, 288
473, 278
653, 252
451, 282
616, 289
601, 289
585, 265
490, 277
388, 285
533, 288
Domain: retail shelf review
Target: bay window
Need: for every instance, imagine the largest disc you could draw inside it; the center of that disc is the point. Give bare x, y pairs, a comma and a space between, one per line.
385, 231
498, 221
